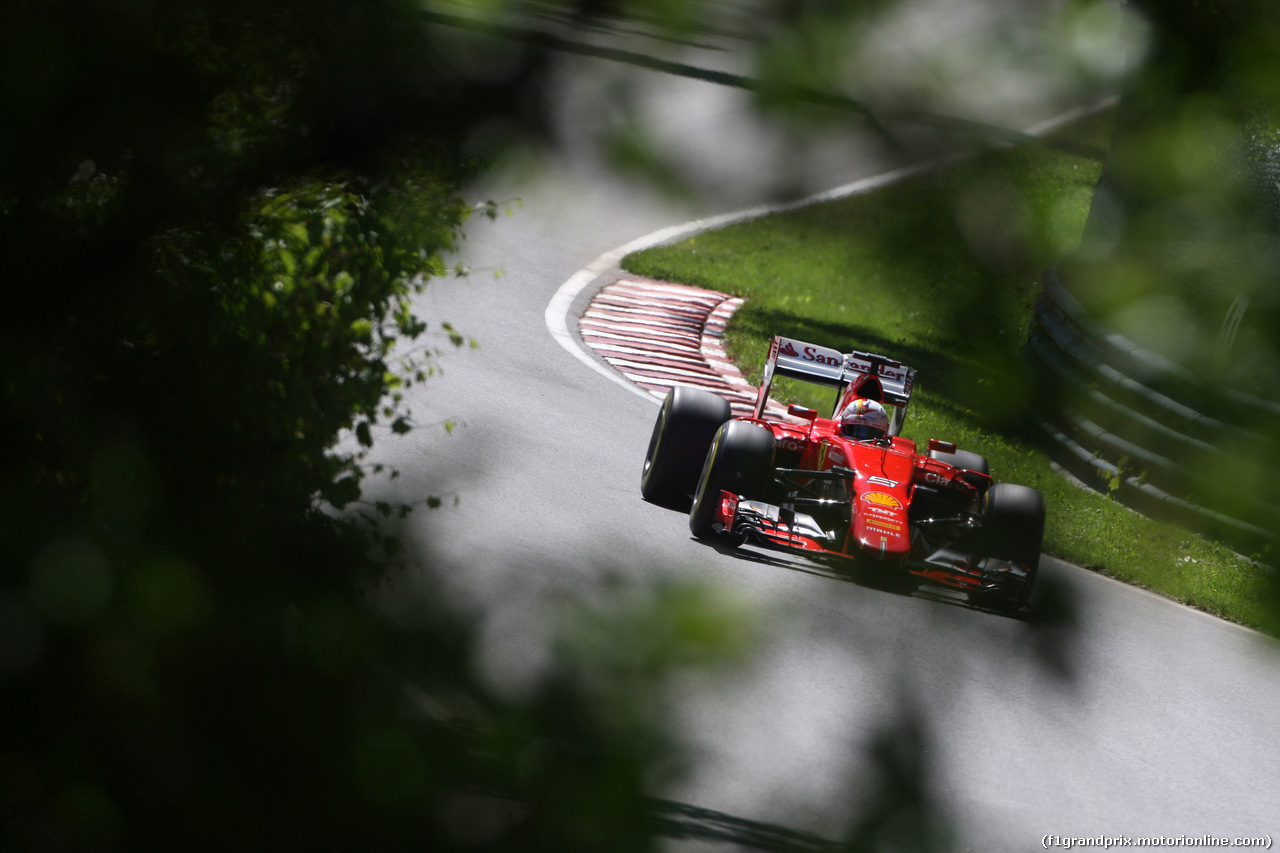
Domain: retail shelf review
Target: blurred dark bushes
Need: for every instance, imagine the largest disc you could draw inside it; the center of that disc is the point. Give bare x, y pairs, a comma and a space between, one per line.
213, 217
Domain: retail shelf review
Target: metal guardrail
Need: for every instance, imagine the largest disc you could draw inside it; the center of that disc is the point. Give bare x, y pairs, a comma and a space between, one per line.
1136, 419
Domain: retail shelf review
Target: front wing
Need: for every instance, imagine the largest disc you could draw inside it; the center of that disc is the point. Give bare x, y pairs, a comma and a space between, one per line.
783, 528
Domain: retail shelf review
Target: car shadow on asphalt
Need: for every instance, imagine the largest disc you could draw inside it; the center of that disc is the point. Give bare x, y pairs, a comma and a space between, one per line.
865, 577
1051, 619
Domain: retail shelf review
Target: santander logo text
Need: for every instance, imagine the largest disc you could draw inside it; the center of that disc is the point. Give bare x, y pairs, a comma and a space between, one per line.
818, 355
811, 354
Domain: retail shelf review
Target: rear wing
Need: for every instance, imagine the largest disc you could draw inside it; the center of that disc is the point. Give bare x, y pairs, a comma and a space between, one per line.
825, 366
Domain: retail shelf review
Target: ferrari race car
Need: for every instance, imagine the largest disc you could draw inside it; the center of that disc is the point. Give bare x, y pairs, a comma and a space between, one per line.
845, 490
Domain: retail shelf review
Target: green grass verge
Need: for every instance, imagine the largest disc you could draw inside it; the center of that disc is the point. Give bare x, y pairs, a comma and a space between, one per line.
941, 271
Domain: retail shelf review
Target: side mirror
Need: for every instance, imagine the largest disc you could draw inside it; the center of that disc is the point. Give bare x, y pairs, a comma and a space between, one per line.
801, 412
937, 444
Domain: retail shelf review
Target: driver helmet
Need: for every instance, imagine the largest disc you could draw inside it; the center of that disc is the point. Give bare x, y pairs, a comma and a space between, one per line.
864, 419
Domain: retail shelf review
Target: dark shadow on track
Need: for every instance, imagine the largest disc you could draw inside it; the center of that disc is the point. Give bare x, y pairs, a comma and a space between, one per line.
893, 806
908, 586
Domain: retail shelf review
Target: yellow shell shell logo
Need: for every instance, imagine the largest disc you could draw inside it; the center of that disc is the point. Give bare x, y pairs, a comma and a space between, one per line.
881, 499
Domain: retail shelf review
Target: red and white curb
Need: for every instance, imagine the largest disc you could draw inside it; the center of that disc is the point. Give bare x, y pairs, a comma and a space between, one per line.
605, 269
658, 335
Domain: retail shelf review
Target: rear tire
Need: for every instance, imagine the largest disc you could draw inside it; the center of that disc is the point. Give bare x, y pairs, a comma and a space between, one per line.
682, 434
1013, 530
965, 460
740, 461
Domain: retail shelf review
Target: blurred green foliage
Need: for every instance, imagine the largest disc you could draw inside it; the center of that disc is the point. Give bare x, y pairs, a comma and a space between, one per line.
1183, 233
1180, 249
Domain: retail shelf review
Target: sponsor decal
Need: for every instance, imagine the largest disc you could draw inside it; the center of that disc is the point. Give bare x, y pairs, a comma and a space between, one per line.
881, 481
881, 511
937, 479
809, 352
830, 454
812, 354
881, 499
794, 445
882, 526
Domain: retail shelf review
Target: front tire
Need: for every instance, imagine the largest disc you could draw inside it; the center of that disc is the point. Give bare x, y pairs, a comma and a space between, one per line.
682, 434
740, 461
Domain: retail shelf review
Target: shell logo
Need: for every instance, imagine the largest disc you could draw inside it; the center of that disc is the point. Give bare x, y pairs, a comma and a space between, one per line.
881, 499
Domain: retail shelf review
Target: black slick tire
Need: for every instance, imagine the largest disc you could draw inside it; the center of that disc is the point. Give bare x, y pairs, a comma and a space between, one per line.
1013, 530
966, 460
740, 461
682, 434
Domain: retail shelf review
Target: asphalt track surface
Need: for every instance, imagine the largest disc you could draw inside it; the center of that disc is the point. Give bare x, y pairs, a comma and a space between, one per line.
1114, 712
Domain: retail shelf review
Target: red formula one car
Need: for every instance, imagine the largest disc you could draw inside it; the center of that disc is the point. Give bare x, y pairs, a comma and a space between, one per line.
848, 489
